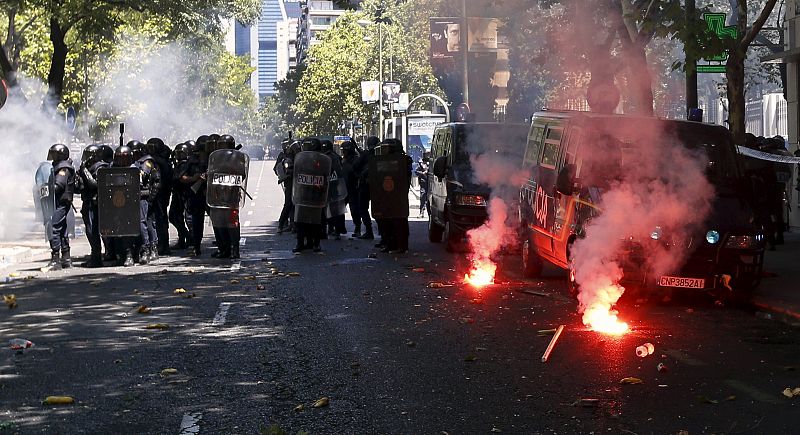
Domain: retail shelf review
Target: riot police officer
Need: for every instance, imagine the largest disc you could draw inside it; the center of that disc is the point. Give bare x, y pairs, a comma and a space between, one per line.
195, 180
422, 177
91, 162
150, 183
178, 214
362, 169
227, 174
123, 246
390, 185
312, 171
160, 153
286, 220
64, 187
337, 193
350, 156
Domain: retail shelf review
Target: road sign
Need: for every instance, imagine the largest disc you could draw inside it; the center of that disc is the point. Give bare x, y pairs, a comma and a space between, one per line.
71, 118
716, 24
370, 91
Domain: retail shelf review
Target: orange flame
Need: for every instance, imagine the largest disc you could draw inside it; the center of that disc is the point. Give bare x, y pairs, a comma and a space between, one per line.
599, 316
482, 273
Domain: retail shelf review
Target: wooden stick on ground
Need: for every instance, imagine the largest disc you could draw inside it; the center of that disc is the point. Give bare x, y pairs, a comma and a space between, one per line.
552, 344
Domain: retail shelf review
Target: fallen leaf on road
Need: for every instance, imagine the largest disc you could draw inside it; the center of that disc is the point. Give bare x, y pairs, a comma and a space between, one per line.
630, 381
683, 432
730, 398
293, 274
58, 400
321, 402
704, 399
234, 281
13, 275
299, 408
496, 430
11, 301
161, 326
143, 309
418, 269
410, 343
587, 403
791, 392
250, 278
180, 291
169, 372
260, 287
438, 285
546, 331
470, 358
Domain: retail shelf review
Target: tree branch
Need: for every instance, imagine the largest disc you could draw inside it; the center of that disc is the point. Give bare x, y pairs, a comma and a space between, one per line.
758, 24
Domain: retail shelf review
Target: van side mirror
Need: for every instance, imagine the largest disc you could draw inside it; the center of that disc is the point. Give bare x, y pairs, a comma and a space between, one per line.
440, 167
566, 180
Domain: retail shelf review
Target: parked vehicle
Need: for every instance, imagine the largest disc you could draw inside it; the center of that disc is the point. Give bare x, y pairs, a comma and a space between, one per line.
457, 202
556, 203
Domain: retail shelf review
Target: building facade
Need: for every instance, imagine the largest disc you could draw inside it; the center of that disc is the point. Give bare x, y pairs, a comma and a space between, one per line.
316, 17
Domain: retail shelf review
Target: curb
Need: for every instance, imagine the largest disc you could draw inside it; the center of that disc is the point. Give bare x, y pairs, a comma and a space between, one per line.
20, 254
788, 313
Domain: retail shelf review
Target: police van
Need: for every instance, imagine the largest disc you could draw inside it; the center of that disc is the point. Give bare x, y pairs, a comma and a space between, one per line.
558, 202
457, 202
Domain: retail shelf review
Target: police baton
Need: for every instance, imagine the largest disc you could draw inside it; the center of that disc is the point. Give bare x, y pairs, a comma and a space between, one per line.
121, 133
245, 192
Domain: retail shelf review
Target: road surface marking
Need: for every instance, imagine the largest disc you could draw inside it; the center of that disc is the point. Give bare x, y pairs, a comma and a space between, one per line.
247, 223
250, 213
242, 241
252, 203
219, 318
190, 425
236, 266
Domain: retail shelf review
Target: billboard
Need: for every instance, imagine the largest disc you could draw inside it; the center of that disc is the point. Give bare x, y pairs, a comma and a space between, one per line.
391, 92
445, 38
482, 35
370, 91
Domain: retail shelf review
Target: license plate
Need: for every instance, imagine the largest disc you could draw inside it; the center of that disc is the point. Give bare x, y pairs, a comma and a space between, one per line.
676, 281
44, 191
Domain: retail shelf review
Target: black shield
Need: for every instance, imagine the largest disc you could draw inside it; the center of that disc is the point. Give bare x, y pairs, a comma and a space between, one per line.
310, 186
227, 178
337, 191
388, 185
44, 194
118, 193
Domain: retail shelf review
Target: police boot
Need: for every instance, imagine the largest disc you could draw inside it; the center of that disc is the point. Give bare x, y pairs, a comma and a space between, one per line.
95, 260
144, 255
54, 263
235, 251
153, 252
368, 235
356, 233
128, 259
66, 260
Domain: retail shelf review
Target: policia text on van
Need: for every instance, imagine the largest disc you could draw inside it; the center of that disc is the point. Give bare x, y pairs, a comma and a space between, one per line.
556, 204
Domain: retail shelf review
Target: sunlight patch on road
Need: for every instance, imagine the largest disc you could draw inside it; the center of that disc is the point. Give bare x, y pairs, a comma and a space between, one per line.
222, 313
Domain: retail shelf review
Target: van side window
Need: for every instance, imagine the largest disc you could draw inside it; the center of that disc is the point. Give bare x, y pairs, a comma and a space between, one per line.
572, 146
534, 146
550, 154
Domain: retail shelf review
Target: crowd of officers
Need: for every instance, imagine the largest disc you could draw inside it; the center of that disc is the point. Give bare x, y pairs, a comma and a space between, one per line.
172, 190
771, 180
350, 185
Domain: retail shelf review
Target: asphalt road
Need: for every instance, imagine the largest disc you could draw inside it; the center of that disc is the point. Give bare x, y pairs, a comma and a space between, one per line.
250, 344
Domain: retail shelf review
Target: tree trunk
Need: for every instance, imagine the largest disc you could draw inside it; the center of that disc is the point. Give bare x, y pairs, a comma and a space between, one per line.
639, 78
735, 89
58, 63
5, 63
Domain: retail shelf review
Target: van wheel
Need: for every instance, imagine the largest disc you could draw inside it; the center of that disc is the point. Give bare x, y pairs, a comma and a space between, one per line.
531, 261
434, 230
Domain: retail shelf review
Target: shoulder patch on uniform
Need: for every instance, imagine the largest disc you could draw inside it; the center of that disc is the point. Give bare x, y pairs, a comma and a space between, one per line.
149, 164
64, 172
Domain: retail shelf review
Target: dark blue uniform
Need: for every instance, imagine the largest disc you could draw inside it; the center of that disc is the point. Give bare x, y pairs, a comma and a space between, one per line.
64, 183
89, 210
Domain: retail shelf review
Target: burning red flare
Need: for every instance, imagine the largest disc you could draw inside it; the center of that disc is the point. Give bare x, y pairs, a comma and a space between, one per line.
481, 274
598, 314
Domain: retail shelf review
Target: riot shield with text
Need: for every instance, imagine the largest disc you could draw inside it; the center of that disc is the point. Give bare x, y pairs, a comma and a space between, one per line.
118, 193
388, 185
44, 193
337, 191
227, 178
310, 186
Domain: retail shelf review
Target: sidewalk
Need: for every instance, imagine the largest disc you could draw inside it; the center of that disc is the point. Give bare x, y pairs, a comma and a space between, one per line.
779, 291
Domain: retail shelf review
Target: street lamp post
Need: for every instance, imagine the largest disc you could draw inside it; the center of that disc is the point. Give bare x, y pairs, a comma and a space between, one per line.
380, 20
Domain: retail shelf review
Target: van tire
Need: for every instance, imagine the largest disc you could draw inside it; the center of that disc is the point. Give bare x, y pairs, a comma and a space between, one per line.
434, 230
451, 243
531, 261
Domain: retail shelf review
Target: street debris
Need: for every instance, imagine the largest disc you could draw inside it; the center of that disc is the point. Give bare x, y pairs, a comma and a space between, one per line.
168, 372
645, 350
13, 275
535, 293
791, 392
476, 301
160, 326
320, 403
630, 381
587, 403
547, 331
552, 344
299, 408
704, 399
143, 309
418, 269
662, 368
58, 400
20, 344
293, 274
250, 278
179, 291
470, 358
11, 301
234, 281
260, 287
437, 284
496, 430
410, 343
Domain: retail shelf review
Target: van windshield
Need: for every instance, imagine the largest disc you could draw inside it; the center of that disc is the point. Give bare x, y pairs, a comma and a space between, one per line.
505, 140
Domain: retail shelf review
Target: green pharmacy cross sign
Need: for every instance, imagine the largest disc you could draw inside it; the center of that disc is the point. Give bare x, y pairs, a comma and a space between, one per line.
716, 24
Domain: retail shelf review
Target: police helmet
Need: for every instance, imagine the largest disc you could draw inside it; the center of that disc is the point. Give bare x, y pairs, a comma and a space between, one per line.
107, 153
139, 149
58, 152
181, 152
91, 155
123, 157
285, 145
311, 144
372, 142
295, 147
327, 146
226, 142
201, 142
154, 146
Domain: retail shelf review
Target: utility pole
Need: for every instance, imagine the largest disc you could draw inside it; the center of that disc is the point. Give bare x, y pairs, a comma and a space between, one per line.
380, 74
464, 49
691, 61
